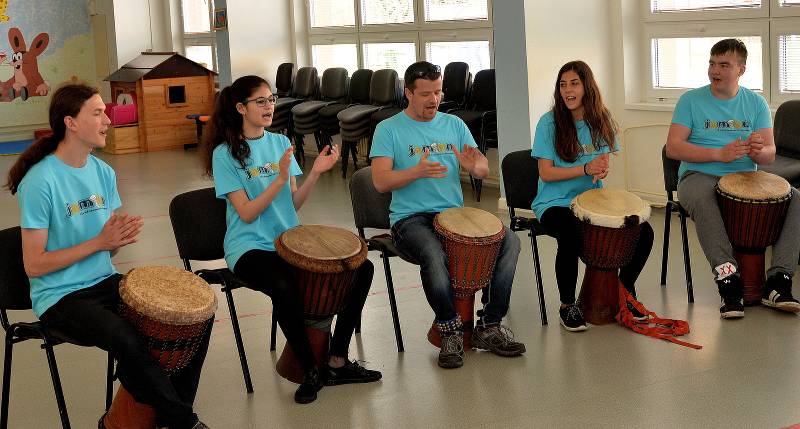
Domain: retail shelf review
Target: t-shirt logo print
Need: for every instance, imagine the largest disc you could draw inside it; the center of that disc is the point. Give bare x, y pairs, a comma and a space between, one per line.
730, 124
434, 148
267, 170
86, 205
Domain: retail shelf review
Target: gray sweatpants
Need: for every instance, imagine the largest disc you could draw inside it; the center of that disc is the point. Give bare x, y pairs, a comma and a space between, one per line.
696, 193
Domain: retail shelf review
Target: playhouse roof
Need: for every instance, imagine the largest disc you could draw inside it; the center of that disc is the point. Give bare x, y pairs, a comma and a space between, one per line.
158, 65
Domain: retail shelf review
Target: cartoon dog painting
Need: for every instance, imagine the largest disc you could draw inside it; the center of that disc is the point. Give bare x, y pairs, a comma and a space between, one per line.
27, 81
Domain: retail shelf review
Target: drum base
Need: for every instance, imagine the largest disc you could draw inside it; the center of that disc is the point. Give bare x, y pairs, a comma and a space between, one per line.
289, 367
751, 268
599, 296
126, 413
465, 307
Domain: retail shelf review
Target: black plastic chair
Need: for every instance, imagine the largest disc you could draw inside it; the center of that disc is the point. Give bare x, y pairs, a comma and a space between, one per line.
305, 116
480, 115
15, 295
456, 80
371, 210
198, 221
284, 78
521, 183
787, 143
671, 167
357, 93
304, 88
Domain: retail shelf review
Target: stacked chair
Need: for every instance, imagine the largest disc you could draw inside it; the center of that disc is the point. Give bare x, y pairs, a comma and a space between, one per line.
358, 93
787, 143
455, 85
284, 79
355, 123
305, 116
305, 87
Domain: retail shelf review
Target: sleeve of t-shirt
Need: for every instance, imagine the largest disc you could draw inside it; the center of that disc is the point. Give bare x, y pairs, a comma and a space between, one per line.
763, 117
544, 141
683, 112
35, 205
465, 137
114, 200
295, 169
382, 142
223, 168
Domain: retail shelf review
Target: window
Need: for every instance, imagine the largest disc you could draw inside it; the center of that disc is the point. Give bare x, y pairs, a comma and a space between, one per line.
451, 10
474, 53
332, 13
339, 55
176, 95
198, 39
789, 63
686, 5
396, 56
387, 11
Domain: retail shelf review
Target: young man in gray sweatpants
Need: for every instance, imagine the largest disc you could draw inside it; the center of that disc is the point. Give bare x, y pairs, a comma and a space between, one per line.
719, 129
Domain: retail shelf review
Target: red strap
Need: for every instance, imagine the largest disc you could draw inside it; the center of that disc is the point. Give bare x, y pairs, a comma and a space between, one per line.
665, 329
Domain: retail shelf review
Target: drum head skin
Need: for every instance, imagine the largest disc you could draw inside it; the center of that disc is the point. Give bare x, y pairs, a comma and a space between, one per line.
754, 185
321, 248
611, 208
168, 294
469, 222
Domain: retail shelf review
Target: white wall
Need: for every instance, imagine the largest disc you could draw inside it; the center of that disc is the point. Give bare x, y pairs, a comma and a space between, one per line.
260, 36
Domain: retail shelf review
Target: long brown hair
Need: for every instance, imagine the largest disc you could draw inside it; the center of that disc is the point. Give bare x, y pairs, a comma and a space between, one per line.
66, 101
226, 122
601, 125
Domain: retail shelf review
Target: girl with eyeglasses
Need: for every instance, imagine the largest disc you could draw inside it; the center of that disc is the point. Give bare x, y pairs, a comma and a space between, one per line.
572, 144
254, 172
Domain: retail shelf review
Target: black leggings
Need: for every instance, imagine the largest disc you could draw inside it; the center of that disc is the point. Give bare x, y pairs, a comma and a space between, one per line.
562, 224
90, 317
268, 273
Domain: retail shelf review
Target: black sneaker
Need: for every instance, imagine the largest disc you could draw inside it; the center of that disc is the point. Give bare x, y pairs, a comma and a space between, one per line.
572, 318
312, 383
497, 339
637, 315
730, 292
451, 355
778, 293
351, 372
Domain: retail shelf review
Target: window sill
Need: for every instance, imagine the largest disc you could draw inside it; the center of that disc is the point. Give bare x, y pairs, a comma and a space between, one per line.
653, 107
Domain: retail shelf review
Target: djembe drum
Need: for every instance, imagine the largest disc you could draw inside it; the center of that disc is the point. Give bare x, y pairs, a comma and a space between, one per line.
324, 260
609, 221
753, 206
173, 310
471, 238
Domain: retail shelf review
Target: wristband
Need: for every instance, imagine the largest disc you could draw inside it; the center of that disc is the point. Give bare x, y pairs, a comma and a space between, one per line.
585, 173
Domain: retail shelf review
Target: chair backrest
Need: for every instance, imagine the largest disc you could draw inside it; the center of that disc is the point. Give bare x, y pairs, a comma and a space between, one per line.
370, 207
335, 83
787, 129
359, 86
520, 179
455, 82
671, 167
15, 290
482, 93
384, 89
198, 221
284, 78
306, 83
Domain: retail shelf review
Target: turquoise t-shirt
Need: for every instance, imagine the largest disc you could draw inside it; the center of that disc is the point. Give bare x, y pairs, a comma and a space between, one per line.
562, 192
403, 139
261, 170
715, 123
73, 204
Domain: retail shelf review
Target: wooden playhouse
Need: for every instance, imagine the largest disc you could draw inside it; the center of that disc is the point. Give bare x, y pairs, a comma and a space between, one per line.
165, 87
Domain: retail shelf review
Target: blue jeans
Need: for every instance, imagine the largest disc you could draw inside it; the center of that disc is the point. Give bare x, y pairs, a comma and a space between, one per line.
416, 236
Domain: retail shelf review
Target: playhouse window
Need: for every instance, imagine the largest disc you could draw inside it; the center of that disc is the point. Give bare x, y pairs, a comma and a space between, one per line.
176, 95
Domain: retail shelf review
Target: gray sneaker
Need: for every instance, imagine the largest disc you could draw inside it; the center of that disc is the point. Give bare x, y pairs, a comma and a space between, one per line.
451, 355
497, 339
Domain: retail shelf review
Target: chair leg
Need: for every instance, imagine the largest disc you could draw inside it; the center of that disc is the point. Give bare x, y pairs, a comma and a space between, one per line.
354, 154
345, 149
62, 406
398, 334
6, 381
237, 334
537, 268
687, 264
665, 248
273, 332
109, 381
478, 187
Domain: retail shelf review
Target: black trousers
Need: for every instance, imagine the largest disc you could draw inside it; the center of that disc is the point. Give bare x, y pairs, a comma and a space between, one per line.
268, 273
91, 316
561, 223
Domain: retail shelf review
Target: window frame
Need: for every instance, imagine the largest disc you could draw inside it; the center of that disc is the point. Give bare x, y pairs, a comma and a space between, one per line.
205, 38
780, 27
778, 11
703, 15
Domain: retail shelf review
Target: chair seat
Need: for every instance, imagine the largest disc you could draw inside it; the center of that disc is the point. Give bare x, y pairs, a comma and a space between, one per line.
357, 113
383, 114
786, 167
309, 108
384, 243
470, 117
354, 135
331, 110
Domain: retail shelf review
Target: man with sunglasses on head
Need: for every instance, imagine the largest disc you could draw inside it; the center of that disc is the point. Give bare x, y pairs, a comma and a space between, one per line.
416, 155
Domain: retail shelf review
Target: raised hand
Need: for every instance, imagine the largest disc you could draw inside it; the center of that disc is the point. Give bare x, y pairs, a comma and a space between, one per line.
430, 169
119, 230
468, 158
756, 143
598, 166
285, 164
326, 159
734, 150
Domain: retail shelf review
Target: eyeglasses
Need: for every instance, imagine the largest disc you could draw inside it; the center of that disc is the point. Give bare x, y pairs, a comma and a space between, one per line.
263, 101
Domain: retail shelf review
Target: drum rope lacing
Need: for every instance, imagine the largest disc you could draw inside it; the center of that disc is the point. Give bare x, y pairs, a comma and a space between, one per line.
664, 329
